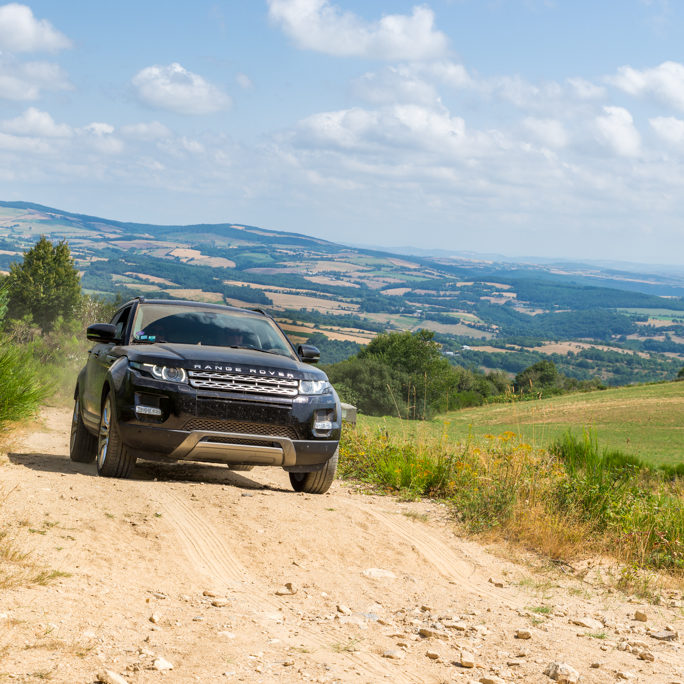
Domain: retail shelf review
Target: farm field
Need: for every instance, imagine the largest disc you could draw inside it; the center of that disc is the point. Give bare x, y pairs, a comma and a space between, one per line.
646, 421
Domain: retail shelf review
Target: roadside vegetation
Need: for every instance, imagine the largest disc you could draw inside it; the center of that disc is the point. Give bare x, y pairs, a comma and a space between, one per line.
570, 499
43, 316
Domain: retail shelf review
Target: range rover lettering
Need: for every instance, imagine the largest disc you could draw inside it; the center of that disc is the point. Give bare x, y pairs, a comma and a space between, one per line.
185, 381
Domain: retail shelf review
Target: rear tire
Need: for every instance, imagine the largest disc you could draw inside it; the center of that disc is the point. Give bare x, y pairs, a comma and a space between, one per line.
241, 468
114, 458
318, 482
82, 445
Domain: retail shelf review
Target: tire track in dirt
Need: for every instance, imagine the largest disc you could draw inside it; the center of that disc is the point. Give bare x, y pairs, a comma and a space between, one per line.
447, 562
208, 553
202, 545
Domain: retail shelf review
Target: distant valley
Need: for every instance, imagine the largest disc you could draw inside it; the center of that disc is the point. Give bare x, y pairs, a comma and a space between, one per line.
619, 324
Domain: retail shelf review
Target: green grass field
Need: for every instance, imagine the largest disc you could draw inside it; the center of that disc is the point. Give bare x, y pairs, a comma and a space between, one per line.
644, 420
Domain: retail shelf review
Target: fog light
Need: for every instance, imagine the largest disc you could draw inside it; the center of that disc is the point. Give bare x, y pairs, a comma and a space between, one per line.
323, 425
148, 410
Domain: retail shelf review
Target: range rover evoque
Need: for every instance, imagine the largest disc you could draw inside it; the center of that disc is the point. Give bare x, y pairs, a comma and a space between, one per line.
176, 380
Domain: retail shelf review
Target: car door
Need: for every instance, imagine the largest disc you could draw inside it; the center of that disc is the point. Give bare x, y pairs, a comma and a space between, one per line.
100, 358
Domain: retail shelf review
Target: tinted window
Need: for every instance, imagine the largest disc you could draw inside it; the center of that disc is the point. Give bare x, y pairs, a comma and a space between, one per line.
120, 321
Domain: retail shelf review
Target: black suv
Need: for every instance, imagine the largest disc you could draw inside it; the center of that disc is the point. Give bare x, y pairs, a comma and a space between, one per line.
173, 380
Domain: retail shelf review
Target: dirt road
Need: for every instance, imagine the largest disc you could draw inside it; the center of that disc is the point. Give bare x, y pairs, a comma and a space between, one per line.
189, 566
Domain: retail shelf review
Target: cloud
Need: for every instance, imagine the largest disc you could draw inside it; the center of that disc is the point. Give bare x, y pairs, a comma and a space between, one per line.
665, 82
24, 144
402, 133
395, 84
26, 81
20, 31
100, 137
323, 27
668, 128
616, 129
244, 81
33, 122
146, 131
549, 132
176, 89
585, 90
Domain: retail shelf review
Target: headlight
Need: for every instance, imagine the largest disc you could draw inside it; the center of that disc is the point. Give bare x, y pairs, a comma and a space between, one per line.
166, 373
313, 386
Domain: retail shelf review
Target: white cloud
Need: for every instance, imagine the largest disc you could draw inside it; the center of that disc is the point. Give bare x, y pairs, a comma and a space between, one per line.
20, 31
146, 131
36, 123
395, 84
665, 82
176, 89
449, 73
100, 137
99, 129
550, 132
418, 136
244, 81
616, 128
321, 26
585, 90
26, 81
20, 143
670, 129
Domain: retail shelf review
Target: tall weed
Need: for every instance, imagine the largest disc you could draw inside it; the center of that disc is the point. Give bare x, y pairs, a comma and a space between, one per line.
567, 499
21, 387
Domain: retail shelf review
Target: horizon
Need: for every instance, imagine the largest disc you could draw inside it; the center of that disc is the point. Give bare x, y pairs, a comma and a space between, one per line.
525, 127
399, 250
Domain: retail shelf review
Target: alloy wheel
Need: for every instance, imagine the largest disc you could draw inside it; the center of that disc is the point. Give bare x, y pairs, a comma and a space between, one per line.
105, 425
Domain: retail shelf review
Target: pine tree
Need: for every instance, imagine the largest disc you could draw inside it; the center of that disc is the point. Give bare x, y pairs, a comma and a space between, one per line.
46, 285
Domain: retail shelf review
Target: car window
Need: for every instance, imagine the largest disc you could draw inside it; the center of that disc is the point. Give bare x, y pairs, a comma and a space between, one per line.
158, 323
120, 321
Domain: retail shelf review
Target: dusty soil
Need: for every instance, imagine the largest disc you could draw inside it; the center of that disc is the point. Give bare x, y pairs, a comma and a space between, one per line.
189, 563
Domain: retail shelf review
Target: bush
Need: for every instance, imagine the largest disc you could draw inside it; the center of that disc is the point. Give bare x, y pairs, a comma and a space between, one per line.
404, 374
21, 389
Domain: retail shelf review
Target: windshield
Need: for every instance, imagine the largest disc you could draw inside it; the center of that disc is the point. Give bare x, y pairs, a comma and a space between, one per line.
210, 327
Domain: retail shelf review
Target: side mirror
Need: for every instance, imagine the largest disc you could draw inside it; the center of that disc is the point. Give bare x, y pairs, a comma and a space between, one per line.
101, 332
308, 353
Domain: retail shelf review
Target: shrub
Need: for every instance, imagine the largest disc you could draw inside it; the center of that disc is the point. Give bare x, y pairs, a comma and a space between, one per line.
21, 389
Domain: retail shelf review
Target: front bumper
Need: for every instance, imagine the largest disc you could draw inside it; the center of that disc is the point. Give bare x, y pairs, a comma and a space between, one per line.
222, 427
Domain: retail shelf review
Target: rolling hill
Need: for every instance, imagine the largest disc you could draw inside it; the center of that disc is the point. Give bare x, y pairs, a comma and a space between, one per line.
622, 325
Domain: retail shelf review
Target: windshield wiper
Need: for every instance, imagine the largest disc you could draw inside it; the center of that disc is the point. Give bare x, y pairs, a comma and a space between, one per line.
247, 346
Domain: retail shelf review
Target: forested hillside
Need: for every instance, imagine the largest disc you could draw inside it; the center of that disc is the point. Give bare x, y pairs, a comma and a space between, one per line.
615, 325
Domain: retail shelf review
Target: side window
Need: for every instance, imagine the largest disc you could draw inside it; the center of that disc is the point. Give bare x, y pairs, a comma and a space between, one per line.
120, 321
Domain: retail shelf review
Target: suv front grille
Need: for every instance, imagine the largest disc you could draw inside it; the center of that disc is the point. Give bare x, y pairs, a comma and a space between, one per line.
245, 428
256, 384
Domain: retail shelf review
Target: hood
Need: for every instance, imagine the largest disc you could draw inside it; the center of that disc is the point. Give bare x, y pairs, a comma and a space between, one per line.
199, 357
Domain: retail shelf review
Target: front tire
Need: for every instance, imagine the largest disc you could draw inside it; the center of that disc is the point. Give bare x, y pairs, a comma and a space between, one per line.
318, 482
114, 459
82, 445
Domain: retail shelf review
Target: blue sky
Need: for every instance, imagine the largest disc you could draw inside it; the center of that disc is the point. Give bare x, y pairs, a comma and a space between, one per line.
521, 127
